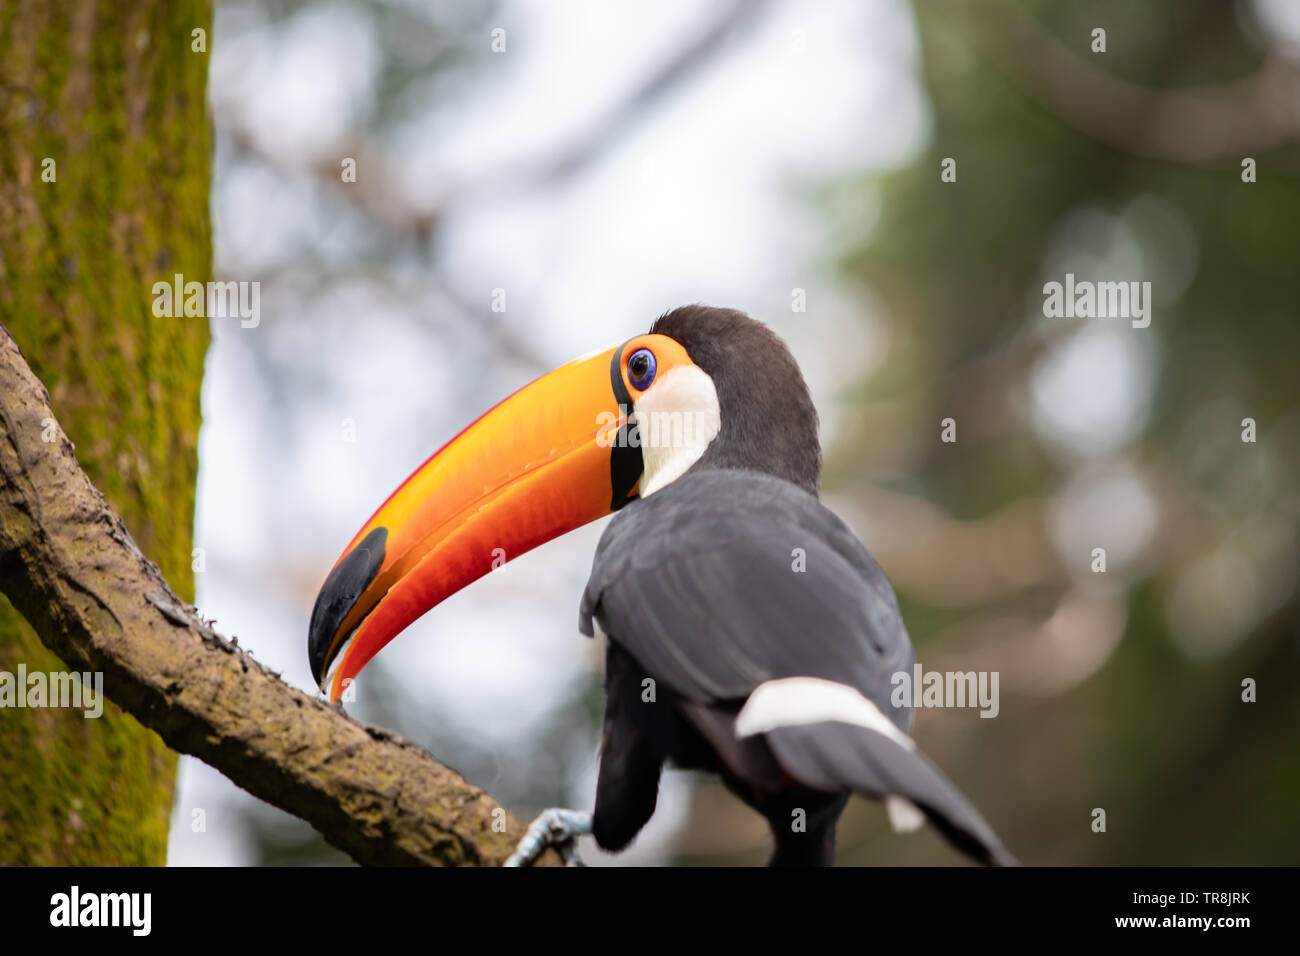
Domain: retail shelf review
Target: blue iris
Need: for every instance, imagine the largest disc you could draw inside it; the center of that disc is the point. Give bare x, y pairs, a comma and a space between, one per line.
641, 369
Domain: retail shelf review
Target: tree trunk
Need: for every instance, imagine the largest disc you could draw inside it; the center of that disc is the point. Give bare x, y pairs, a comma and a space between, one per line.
104, 169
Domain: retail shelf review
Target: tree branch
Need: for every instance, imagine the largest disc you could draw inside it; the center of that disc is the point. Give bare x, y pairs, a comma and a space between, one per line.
71, 568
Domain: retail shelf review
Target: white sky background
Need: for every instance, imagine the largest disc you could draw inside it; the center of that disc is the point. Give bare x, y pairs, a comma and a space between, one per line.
700, 203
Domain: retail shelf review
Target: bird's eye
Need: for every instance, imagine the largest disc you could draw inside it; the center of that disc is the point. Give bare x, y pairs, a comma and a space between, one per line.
641, 369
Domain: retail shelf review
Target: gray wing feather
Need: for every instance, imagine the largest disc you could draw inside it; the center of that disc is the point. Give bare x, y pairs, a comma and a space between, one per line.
699, 584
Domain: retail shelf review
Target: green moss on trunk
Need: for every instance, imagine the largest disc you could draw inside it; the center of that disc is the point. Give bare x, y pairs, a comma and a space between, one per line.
115, 96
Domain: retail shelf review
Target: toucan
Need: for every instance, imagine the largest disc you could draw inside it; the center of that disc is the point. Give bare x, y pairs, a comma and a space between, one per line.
748, 631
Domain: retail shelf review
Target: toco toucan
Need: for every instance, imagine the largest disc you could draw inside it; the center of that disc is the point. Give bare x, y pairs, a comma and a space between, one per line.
767, 631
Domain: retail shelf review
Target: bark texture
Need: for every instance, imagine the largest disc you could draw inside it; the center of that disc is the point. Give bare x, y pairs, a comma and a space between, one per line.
104, 170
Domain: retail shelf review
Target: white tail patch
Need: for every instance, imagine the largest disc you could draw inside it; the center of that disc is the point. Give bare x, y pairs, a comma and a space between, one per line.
677, 419
904, 815
792, 701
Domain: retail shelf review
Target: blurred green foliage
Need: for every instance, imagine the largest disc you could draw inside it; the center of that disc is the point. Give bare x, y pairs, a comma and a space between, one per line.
1048, 180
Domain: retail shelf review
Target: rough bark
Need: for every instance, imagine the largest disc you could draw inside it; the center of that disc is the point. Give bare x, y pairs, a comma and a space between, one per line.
71, 567
112, 96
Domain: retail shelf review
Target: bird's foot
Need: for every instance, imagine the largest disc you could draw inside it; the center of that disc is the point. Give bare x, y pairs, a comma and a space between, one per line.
555, 827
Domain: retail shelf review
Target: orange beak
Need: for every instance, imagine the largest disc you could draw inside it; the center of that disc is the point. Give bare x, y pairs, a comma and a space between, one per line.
548, 459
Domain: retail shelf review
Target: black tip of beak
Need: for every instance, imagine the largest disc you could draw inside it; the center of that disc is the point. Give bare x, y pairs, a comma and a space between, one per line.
339, 594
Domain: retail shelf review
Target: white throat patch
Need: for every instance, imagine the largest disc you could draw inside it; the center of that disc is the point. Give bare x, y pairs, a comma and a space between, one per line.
678, 417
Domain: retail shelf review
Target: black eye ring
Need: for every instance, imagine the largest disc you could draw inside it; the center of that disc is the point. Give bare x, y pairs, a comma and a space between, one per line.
641, 369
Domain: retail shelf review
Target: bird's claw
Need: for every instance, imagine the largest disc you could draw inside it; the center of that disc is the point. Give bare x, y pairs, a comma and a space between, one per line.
557, 827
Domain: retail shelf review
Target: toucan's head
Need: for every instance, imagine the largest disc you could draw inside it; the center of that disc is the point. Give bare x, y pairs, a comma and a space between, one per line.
708, 387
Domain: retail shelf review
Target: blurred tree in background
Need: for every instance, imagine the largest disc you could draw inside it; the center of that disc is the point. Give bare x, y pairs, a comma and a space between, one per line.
104, 163
1123, 690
